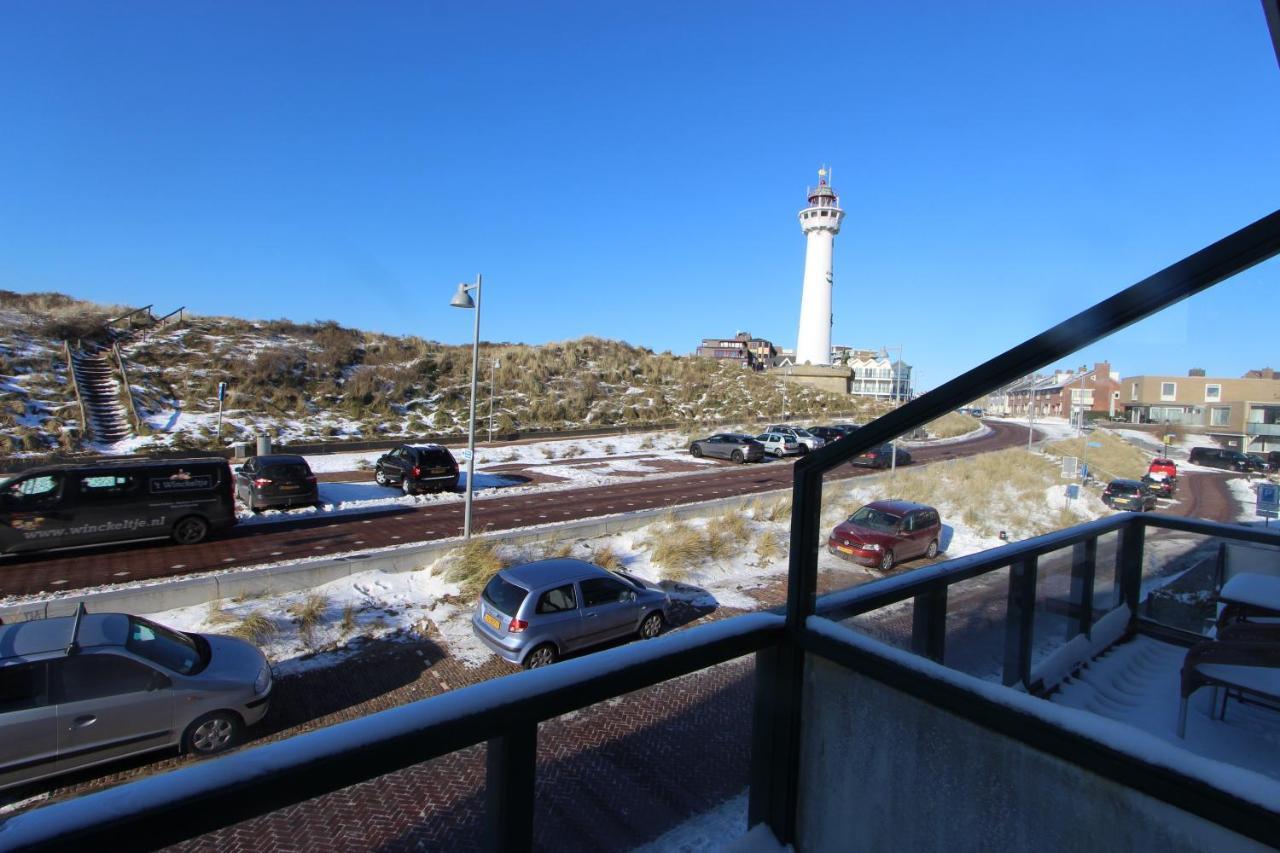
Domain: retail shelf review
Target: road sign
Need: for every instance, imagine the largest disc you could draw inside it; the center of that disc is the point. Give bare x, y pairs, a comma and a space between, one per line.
1268, 500
1094, 443
1070, 467
466, 456
222, 391
1073, 492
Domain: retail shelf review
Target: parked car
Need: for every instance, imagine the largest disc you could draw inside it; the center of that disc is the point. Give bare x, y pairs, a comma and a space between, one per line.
1160, 485
1220, 457
977, 412
777, 444
278, 480
1128, 494
1161, 465
536, 613
803, 437
417, 468
827, 434
881, 457
728, 445
81, 690
887, 532
1273, 459
59, 506
1261, 462
847, 429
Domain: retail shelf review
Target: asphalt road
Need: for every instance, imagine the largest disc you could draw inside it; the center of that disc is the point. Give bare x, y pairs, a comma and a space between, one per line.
31, 574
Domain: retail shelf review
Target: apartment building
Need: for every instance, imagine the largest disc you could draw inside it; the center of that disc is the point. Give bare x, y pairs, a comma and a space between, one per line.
1243, 413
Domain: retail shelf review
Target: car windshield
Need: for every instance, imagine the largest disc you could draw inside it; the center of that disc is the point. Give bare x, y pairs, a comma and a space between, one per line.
875, 519
803, 433
505, 596
171, 649
1124, 489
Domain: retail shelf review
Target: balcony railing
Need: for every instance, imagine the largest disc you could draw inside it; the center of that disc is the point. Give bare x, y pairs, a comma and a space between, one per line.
1262, 429
504, 713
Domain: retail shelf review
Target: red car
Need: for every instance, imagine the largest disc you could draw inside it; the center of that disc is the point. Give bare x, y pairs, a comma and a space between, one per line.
887, 532
1162, 477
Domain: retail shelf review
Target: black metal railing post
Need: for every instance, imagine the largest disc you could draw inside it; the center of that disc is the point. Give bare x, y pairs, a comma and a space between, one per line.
929, 623
1020, 622
774, 740
510, 771
1084, 565
1129, 563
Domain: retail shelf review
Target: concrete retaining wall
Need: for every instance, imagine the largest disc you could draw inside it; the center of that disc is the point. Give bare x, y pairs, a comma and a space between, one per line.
881, 770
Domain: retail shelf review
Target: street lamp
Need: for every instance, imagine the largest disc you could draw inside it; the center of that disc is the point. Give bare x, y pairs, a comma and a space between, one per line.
462, 299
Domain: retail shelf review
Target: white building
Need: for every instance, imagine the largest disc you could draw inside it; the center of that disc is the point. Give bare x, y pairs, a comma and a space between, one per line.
820, 222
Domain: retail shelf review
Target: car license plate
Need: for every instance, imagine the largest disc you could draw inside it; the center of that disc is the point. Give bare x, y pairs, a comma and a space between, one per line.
492, 621
845, 548
288, 487
437, 470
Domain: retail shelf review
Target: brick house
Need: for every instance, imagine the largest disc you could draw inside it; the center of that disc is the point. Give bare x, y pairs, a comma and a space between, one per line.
742, 348
1066, 392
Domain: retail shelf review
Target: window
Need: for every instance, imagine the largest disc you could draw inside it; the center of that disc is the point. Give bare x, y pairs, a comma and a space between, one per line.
598, 591
164, 646
23, 687
1212, 393
504, 596
1133, 391
1168, 390
1219, 415
36, 492
88, 676
558, 600
100, 486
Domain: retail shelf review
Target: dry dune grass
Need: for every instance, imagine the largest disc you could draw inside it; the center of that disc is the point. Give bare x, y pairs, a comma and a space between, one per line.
1115, 458
770, 547
989, 493
255, 627
472, 564
606, 558
952, 424
679, 546
734, 523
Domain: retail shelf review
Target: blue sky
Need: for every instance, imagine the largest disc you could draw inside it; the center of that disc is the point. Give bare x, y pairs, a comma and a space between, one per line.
633, 170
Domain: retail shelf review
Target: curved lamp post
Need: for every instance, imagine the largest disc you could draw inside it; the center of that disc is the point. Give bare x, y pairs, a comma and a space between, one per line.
462, 299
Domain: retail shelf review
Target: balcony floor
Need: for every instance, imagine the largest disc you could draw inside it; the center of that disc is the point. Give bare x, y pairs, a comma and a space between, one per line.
1137, 683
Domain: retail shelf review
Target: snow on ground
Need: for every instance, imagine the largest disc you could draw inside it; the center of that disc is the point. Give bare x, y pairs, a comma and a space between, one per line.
705, 833
1054, 429
1138, 683
351, 498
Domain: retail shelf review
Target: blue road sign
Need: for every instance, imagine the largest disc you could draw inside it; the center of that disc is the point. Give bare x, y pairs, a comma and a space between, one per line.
1268, 500
1073, 492
1095, 443
222, 391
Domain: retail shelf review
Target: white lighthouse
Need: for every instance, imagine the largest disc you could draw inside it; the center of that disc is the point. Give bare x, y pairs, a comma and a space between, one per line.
820, 222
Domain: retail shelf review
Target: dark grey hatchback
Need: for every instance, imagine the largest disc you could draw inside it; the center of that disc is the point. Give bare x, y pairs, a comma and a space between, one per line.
729, 445
536, 613
278, 480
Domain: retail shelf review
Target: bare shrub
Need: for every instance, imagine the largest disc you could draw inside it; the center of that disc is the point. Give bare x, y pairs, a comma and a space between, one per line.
572, 451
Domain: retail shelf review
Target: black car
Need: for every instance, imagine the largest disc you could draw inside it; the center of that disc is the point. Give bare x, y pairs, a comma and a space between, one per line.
1220, 457
828, 434
1263, 462
1163, 487
1128, 494
729, 445
881, 457
278, 481
418, 468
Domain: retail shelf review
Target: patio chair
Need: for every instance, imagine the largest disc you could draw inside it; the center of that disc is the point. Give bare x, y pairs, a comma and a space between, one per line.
1249, 668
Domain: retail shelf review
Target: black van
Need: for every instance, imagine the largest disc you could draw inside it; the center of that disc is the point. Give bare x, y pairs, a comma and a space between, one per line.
1220, 457
60, 506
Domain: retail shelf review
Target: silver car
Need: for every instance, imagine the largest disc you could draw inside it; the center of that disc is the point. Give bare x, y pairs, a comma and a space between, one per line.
81, 690
777, 444
729, 445
807, 440
534, 614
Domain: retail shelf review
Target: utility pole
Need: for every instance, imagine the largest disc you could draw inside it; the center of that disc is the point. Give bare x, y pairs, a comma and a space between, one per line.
1031, 409
493, 384
895, 371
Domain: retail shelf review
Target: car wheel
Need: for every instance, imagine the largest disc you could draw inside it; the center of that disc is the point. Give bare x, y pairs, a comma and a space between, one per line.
802, 449
406, 485
886, 562
380, 477
933, 550
651, 626
737, 456
695, 451
211, 734
190, 530
543, 655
